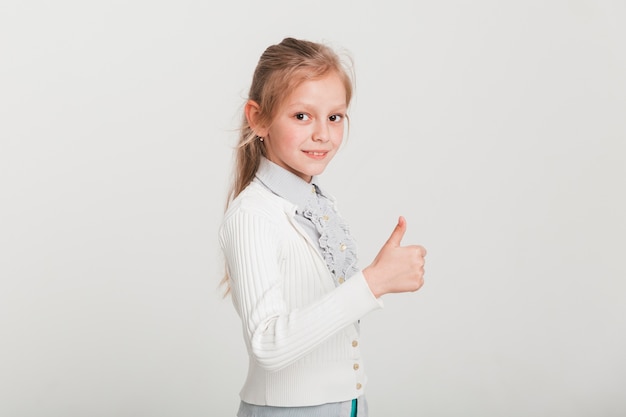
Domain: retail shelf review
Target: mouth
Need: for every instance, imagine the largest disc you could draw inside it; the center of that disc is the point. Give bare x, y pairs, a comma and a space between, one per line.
315, 153
319, 155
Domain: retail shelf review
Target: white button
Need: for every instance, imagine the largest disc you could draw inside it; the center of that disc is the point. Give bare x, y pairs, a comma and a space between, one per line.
342, 247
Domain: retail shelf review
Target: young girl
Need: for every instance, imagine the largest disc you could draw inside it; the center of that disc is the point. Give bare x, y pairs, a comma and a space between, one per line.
290, 259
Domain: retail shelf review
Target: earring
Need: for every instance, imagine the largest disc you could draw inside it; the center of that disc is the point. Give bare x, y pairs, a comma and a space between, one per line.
260, 138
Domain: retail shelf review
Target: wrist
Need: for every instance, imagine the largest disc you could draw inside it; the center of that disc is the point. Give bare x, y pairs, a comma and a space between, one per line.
371, 278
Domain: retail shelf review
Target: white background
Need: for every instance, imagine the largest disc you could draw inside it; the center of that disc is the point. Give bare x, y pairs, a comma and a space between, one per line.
497, 128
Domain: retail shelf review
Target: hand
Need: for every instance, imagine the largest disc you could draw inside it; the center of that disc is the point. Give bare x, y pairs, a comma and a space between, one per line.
396, 268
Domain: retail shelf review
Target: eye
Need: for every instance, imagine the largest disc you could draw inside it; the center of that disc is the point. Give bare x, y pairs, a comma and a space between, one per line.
336, 118
302, 116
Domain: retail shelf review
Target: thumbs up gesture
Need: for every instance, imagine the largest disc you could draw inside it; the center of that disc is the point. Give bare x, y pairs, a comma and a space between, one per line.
396, 268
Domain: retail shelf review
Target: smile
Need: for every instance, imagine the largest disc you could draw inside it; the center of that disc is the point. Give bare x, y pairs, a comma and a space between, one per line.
316, 154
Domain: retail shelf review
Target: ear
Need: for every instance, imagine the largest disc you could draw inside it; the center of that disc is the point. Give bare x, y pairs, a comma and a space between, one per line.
253, 115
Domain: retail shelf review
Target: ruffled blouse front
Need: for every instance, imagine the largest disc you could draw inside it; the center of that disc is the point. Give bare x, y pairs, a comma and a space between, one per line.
337, 245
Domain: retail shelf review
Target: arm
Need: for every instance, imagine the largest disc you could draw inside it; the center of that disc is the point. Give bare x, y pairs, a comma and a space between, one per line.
277, 337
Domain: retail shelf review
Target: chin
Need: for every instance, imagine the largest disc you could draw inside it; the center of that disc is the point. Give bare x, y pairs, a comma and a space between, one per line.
317, 171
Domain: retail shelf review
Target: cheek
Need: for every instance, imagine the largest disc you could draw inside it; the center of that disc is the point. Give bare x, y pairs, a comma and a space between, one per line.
286, 143
292, 138
338, 133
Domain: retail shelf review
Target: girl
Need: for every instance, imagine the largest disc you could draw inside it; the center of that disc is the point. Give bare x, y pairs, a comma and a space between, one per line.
290, 259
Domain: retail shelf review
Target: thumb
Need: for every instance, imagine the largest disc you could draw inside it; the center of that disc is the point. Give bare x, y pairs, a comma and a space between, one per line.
398, 233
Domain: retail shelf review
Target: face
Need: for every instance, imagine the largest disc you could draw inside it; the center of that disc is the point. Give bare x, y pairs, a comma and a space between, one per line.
307, 129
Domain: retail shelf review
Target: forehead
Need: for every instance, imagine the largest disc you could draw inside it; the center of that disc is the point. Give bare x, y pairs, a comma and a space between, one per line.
328, 90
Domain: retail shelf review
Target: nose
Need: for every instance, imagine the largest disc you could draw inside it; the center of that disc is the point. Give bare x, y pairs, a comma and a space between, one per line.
321, 132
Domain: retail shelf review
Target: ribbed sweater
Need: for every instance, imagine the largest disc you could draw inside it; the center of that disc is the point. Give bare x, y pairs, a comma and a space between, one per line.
299, 328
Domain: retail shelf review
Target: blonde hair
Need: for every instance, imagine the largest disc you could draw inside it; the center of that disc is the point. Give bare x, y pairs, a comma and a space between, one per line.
280, 69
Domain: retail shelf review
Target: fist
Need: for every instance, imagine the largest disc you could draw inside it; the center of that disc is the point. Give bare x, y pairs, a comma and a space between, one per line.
396, 268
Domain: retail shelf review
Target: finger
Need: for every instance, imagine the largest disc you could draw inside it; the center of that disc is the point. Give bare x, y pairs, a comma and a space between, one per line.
398, 233
421, 251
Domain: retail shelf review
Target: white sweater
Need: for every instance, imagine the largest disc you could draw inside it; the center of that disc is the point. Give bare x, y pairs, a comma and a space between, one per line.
298, 327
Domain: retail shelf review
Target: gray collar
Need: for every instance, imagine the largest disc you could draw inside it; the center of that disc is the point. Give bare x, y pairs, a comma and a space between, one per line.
286, 184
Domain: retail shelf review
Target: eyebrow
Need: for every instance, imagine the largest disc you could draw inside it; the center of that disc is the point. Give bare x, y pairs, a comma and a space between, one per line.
343, 106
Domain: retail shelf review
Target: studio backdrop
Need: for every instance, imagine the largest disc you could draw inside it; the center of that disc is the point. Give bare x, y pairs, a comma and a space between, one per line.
496, 128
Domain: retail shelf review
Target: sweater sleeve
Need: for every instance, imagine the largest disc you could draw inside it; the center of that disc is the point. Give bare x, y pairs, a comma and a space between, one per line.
277, 337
